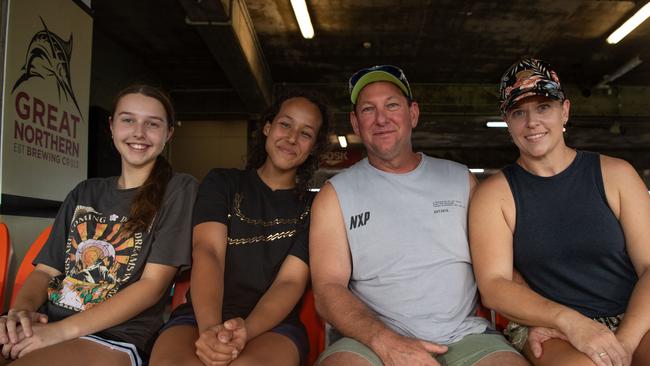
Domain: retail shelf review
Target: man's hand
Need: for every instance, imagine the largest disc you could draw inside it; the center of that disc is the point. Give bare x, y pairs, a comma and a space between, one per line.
213, 352
397, 350
539, 335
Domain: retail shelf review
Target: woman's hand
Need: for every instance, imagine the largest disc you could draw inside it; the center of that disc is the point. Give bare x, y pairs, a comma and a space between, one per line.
43, 335
16, 318
596, 341
627, 346
6, 348
211, 350
234, 333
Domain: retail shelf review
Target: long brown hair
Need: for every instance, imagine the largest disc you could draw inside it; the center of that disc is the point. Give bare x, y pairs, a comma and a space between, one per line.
306, 170
148, 199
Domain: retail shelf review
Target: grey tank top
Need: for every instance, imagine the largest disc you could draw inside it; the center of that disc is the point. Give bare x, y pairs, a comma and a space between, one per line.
408, 241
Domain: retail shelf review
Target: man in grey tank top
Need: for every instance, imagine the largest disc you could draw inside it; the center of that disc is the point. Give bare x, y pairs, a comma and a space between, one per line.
390, 261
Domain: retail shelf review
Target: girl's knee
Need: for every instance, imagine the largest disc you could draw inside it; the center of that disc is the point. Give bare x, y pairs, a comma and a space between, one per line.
269, 349
175, 346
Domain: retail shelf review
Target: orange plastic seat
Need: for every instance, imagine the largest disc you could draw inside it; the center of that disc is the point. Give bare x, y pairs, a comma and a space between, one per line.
5, 254
314, 325
181, 286
499, 322
26, 266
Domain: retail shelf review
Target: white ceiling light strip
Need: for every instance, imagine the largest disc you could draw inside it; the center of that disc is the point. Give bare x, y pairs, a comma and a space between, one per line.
302, 16
630, 25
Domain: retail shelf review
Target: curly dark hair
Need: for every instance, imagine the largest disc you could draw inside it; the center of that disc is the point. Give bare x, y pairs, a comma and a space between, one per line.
305, 171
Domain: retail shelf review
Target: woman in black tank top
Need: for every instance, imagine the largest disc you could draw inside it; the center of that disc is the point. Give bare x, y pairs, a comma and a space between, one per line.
559, 239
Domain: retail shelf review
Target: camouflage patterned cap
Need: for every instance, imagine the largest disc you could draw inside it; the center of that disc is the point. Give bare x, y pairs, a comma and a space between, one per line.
528, 77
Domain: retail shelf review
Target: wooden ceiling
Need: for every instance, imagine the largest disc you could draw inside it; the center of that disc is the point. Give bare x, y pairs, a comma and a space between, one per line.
224, 59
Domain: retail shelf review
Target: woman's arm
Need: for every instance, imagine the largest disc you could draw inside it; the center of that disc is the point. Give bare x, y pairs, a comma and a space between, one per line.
273, 306
278, 301
209, 256
492, 222
628, 197
50, 261
491, 227
31, 296
127, 303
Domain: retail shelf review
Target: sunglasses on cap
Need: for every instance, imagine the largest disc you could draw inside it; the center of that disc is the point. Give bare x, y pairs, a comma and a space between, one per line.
369, 75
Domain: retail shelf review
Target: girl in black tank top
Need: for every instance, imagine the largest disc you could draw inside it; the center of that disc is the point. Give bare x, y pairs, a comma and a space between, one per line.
574, 227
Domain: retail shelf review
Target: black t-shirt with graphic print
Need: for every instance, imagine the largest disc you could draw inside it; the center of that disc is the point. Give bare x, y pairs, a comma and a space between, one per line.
98, 258
264, 227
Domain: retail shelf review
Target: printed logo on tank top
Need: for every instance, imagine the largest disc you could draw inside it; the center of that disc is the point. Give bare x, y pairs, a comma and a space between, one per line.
100, 257
359, 220
445, 206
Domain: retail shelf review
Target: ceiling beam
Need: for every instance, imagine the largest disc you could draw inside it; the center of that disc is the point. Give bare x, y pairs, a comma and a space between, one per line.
468, 99
496, 158
481, 100
227, 30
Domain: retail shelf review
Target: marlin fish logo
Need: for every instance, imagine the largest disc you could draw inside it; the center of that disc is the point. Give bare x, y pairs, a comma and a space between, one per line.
48, 55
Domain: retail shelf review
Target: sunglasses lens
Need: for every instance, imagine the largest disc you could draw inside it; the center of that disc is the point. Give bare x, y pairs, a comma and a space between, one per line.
393, 70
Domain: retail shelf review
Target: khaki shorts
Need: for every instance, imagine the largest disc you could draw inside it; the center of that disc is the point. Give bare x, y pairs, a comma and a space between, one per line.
466, 352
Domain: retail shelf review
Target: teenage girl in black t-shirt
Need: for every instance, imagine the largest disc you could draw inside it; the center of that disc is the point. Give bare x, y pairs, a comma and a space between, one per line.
250, 249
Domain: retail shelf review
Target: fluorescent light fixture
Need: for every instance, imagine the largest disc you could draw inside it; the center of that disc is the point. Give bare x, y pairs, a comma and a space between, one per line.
477, 170
302, 16
630, 25
343, 141
497, 124
314, 189
634, 62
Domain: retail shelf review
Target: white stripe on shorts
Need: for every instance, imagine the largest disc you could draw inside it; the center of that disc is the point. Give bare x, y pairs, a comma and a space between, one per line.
125, 347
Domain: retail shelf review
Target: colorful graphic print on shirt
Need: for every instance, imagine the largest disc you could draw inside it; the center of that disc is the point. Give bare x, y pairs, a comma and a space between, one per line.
100, 258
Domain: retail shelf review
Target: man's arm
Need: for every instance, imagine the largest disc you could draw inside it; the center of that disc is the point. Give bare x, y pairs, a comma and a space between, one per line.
473, 183
331, 269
